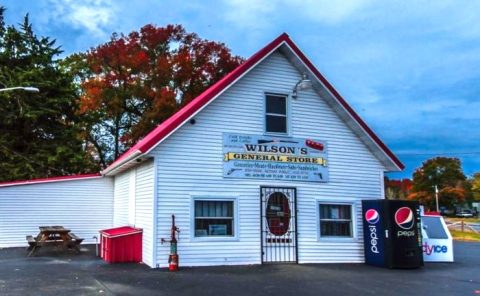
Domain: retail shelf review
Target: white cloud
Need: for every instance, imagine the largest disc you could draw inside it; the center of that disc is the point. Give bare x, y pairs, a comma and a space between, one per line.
261, 14
250, 13
91, 15
327, 11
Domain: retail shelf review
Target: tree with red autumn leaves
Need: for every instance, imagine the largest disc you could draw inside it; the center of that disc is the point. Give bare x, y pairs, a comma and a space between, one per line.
134, 82
445, 173
397, 189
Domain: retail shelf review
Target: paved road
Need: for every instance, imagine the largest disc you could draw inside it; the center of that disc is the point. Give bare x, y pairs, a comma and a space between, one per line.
51, 273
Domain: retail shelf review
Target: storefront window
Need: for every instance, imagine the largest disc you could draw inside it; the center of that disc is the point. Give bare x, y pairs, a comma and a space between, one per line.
213, 218
336, 220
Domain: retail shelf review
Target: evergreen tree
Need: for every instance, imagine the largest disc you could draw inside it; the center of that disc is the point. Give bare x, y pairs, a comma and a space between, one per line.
39, 132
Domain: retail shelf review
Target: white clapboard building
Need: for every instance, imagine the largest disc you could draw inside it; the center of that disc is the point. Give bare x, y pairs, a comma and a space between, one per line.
267, 165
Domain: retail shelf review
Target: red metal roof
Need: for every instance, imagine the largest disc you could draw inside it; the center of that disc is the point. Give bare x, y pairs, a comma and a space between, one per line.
172, 123
50, 179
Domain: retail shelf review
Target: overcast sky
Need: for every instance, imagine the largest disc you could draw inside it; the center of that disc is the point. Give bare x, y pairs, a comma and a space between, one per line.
411, 69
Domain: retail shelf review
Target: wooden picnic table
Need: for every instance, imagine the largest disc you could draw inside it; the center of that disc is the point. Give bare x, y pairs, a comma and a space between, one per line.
54, 236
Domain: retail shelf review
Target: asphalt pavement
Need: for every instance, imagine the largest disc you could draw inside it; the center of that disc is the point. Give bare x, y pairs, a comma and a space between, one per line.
63, 273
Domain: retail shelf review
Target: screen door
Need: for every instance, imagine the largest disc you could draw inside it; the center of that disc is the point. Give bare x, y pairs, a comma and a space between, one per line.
278, 224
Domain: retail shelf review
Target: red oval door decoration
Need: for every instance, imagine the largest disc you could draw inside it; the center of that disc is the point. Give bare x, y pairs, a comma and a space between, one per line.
278, 214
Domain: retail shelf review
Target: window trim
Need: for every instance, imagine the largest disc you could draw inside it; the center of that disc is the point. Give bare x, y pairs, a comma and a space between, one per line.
287, 113
349, 202
235, 218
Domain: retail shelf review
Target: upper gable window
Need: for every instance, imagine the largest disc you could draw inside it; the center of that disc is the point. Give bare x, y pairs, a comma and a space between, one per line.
276, 118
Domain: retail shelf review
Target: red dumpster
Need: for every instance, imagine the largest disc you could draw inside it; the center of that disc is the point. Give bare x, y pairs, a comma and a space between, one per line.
121, 244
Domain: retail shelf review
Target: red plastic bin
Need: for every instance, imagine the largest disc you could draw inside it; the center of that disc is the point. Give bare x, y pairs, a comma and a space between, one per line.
121, 244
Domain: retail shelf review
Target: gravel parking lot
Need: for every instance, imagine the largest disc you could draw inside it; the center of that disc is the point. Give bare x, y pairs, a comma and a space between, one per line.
63, 273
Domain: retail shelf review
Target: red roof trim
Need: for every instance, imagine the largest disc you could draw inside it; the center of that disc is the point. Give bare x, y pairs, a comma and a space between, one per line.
173, 122
166, 127
344, 103
51, 179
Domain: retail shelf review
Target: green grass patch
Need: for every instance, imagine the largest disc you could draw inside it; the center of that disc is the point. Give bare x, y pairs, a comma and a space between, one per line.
465, 236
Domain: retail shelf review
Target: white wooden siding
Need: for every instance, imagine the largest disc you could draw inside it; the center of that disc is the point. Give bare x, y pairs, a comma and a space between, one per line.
190, 163
144, 208
121, 198
132, 190
83, 206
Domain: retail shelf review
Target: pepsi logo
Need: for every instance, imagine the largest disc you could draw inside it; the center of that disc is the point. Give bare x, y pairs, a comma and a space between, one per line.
404, 218
372, 216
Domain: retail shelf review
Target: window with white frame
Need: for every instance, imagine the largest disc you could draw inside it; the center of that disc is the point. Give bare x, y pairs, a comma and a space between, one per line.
214, 218
276, 119
336, 220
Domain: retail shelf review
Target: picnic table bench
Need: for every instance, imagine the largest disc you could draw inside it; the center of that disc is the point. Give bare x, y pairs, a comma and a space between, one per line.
53, 236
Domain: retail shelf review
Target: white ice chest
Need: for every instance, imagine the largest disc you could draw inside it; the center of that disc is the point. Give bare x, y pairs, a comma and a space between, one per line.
437, 242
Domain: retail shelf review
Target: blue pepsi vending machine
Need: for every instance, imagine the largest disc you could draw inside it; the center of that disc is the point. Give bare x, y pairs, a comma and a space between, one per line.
392, 233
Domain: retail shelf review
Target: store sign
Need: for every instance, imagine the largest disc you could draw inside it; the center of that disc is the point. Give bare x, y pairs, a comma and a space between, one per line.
278, 158
437, 250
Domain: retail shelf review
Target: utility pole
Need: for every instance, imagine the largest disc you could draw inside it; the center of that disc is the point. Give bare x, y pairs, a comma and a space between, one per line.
436, 198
